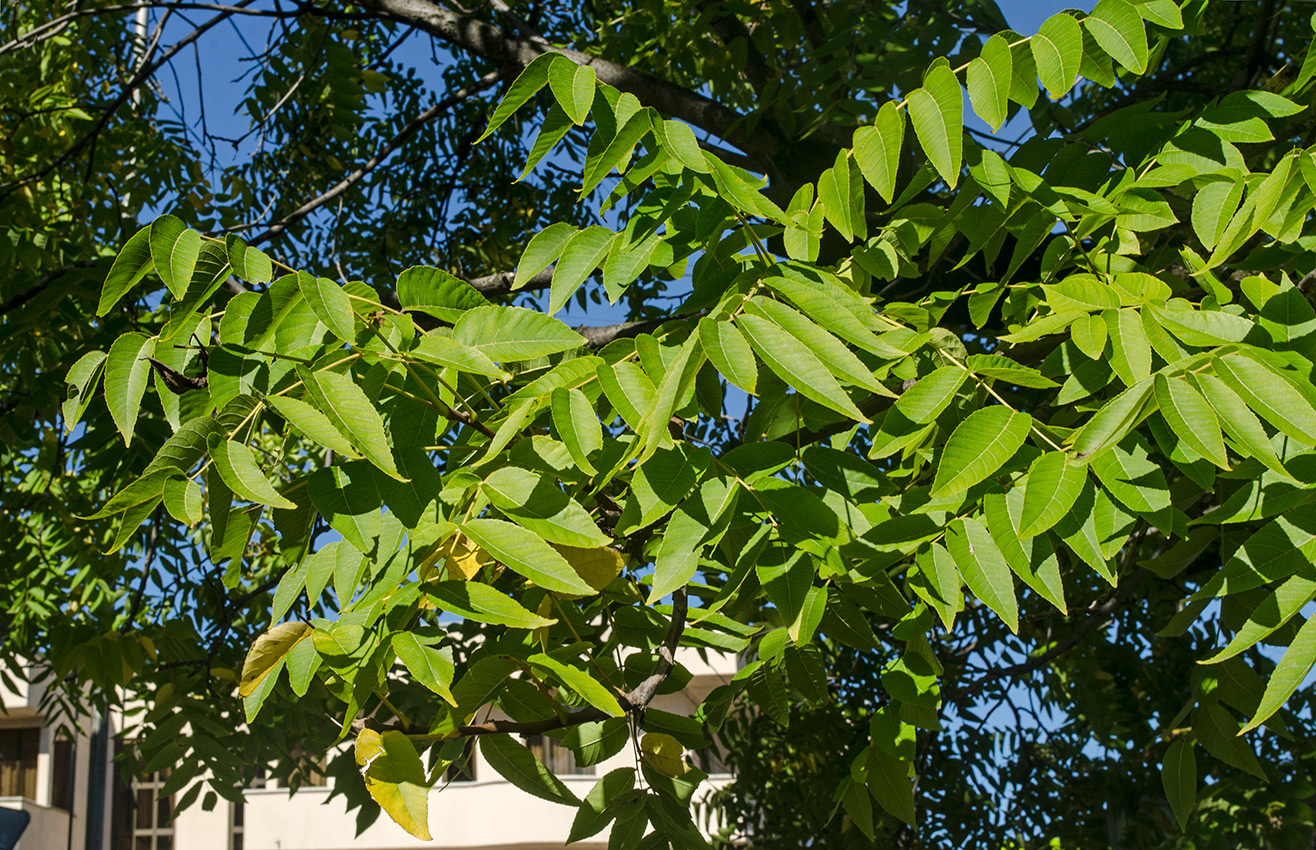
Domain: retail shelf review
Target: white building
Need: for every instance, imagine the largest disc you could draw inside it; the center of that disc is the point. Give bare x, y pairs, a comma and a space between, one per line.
74, 797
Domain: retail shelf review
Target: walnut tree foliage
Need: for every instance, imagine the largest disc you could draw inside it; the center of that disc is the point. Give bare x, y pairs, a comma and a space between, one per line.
988, 458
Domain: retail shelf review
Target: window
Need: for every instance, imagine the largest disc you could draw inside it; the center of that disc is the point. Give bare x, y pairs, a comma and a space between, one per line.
141, 815
238, 827
63, 759
555, 757
18, 762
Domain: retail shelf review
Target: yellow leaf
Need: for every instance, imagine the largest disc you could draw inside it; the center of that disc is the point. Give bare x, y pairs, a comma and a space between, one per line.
465, 557
266, 652
663, 753
598, 567
395, 778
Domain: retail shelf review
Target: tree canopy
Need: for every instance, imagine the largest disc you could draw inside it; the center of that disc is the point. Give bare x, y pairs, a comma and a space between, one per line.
960, 379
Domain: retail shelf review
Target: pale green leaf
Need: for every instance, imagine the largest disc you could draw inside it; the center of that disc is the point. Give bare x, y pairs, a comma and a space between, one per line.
447, 352
581, 682
528, 554
538, 503
330, 304
978, 447
984, 568
237, 466
1118, 28
729, 353
584, 252
514, 333
524, 87
250, 264
174, 250
988, 81
1269, 394
1290, 672
1190, 418
937, 112
578, 426
797, 365
431, 667
482, 603
1058, 50
877, 149
1054, 484
444, 296
931, 394
349, 409
130, 266
573, 88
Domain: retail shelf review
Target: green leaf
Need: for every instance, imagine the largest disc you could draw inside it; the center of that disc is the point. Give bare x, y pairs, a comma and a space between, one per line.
877, 149
578, 426
527, 554
429, 290
1266, 392
148, 487
797, 365
174, 250
330, 304
573, 88
1290, 672
978, 447
937, 111
988, 81
431, 667
581, 255
347, 499
542, 251
237, 466
1131, 350
129, 267
519, 766
597, 810
618, 151
537, 503
80, 383
888, 780
1179, 778
581, 682
1213, 206
931, 394
445, 351
984, 568
312, 424
838, 359
1218, 732
1163, 13
1089, 334
349, 409
1270, 614
729, 353
524, 87
1191, 418
1115, 419
1118, 28
127, 373
679, 140
250, 264
1058, 50
182, 498
484, 604
395, 778
1053, 486
514, 333
1204, 327
1033, 559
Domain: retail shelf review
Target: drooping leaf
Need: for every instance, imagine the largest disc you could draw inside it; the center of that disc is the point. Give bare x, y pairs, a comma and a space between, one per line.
1290, 672
269, 649
984, 568
1118, 28
1190, 417
237, 466
937, 112
174, 251
349, 409
1054, 484
127, 373
395, 778
1179, 778
1057, 48
132, 264
520, 767
514, 333
437, 292
988, 81
877, 149
431, 667
524, 87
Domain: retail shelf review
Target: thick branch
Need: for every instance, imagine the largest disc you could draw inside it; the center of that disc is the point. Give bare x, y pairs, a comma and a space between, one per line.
502, 48
42, 283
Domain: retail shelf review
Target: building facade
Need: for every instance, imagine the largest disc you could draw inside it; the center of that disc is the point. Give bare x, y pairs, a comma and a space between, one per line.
67, 783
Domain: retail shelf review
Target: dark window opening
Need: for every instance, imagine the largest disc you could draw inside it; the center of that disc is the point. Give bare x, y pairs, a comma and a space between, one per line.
18, 762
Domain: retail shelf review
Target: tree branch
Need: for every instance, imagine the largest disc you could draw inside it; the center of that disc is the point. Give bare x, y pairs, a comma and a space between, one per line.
40, 286
492, 43
278, 227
